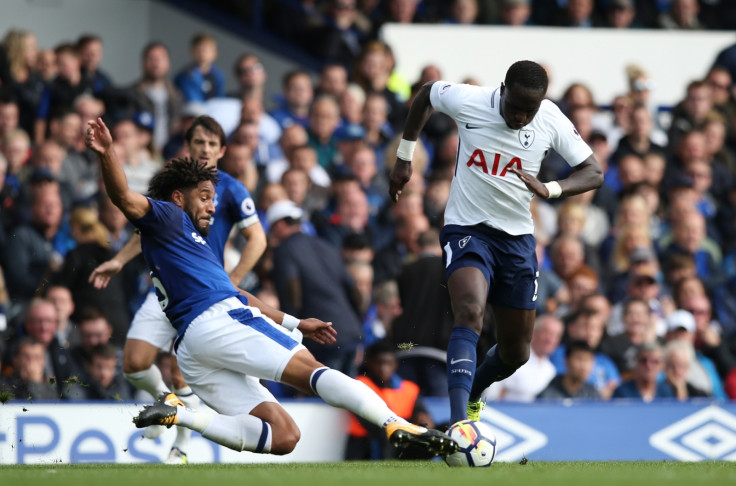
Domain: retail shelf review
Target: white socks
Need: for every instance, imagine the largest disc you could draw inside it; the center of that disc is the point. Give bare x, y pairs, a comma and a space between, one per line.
240, 432
341, 391
149, 380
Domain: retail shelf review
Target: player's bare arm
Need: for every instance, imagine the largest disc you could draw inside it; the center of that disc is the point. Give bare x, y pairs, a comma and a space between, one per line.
252, 251
586, 176
420, 111
132, 204
101, 275
315, 329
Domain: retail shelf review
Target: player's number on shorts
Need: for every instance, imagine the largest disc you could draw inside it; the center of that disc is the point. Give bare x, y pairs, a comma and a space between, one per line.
164, 302
536, 287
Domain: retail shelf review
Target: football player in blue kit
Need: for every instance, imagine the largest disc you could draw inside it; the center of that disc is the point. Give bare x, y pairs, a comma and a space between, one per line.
227, 339
150, 332
488, 238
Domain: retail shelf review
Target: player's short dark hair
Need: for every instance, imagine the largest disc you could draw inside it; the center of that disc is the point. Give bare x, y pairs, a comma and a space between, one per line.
380, 347
200, 38
66, 48
289, 76
179, 174
104, 351
578, 346
87, 39
527, 74
153, 45
210, 125
92, 314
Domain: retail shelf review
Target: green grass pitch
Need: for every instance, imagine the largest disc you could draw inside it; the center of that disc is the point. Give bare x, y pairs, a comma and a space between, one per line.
375, 474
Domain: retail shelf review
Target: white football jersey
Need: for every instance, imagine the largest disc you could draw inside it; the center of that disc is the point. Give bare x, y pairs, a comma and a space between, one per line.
484, 190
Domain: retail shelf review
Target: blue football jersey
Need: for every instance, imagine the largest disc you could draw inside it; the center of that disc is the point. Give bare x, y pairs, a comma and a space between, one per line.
233, 206
186, 273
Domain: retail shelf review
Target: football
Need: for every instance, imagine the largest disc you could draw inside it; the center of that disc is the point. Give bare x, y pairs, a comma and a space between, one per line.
477, 444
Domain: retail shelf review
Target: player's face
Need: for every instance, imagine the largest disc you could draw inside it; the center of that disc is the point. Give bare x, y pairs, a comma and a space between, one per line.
199, 206
205, 147
519, 105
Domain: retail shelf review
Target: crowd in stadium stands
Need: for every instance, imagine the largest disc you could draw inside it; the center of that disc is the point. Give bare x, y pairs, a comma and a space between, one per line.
637, 291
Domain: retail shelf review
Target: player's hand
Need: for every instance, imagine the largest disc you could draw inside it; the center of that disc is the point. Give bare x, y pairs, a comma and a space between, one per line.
98, 137
400, 175
319, 331
101, 275
532, 183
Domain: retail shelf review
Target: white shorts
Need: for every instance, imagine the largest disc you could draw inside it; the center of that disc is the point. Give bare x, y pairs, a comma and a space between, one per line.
151, 325
227, 349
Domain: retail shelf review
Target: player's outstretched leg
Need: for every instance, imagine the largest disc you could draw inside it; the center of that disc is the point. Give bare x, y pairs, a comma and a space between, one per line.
305, 373
267, 429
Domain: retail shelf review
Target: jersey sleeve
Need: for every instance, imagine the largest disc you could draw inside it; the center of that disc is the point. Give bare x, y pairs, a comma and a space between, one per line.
243, 209
449, 98
566, 139
161, 216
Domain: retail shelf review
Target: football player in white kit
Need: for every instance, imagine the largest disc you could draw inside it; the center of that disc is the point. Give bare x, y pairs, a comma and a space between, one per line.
488, 243
150, 332
227, 339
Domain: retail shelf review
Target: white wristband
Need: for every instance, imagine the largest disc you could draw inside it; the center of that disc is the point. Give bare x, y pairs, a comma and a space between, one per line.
406, 149
554, 189
289, 322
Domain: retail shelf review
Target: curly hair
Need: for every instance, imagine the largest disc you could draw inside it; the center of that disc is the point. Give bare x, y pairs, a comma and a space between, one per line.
527, 74
179, 174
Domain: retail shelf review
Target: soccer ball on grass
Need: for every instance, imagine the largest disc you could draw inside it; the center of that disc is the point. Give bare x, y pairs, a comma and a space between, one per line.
477, 444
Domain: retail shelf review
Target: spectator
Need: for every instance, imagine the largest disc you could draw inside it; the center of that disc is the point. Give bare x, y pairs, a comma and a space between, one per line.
90, 56
66, 331
105, 381
589, 325
642, 137
700, 374
644, 385
708, 339
9, 115
156, 94
311, 279
298, 94
516, 12
27, 85
93, 249
690, 112
681, 15
427, 317
324, 117
40, 324
252, 111
689, 237
94, 329
339, 38
138, 162
63, 90
115, 222
678, 360
579, 360
333, 80
638, 329
538, 372
404, 248
251, 77
238, 162
29, 380
35, 246
202, 80
621, 14
366, 441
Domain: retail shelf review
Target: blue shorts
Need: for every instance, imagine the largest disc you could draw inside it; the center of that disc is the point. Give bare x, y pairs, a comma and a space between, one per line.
508, 262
